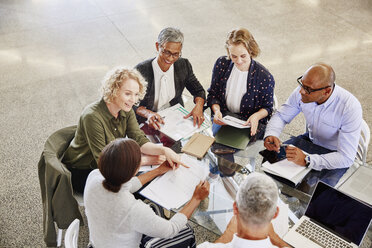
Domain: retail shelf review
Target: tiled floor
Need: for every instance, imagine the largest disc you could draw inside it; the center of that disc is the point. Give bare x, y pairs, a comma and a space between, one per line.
54, 53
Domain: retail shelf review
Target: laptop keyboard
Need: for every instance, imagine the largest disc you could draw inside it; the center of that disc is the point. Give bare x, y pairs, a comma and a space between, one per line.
320, 236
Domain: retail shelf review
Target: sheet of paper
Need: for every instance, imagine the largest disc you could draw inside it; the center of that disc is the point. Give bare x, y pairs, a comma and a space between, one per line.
175, 188
176, 127
147, 168
234, 122
359, 185
284, 168
280, 223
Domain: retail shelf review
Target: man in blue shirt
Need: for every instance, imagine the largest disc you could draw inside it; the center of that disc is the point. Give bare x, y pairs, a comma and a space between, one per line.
333, 120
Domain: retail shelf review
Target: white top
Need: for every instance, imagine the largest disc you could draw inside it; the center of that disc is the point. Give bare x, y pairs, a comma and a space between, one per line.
236, 87
164, 85
334, 124
119, 220
240, 243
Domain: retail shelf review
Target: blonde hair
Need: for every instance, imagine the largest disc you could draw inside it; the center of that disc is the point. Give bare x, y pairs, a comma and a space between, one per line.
114, 80
242, 36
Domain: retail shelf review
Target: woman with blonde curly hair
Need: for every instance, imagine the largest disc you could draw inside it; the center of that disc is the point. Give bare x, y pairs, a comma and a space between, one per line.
110, 118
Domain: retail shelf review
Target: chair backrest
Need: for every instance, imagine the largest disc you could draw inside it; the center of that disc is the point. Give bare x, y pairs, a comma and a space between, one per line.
365, 136
276, 104
72, 234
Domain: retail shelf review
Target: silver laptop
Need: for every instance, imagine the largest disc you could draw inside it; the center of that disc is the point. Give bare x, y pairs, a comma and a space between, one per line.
332, 219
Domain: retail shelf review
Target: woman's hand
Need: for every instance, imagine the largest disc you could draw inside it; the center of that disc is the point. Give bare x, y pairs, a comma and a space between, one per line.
201, 191
173, 158
218, 118
253, 122
155, 120
163, 168
152, 159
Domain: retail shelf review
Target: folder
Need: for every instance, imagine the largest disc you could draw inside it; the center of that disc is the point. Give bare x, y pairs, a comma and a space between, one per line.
198, 145
233, 137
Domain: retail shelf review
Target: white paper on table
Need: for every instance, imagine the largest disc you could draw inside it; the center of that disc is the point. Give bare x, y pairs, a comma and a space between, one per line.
280, 223
175, 126
284, 168
176, 187
147, 168
234, 122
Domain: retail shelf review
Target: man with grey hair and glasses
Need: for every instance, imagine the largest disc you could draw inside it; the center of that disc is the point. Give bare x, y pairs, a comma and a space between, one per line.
167, 75
333, 122
256, 204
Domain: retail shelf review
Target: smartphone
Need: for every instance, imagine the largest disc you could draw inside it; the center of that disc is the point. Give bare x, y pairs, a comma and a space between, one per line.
273, 156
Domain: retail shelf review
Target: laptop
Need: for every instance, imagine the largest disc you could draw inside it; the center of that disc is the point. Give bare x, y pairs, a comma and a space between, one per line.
332, 219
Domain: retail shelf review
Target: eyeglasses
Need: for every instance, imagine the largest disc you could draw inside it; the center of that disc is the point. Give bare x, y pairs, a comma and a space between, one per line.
168, 53
309, 90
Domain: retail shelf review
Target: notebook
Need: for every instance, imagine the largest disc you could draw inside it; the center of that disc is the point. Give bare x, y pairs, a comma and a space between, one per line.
233, 137
198, 145
332, 219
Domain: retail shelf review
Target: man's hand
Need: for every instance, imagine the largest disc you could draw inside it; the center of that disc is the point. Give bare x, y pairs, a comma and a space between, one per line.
296, 155
275, 239
272, 143
197, 115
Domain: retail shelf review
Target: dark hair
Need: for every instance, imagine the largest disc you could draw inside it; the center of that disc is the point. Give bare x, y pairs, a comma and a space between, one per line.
119, 162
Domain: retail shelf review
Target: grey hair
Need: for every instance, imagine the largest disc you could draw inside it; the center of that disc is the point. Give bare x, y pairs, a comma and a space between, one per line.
170, 35
257, 199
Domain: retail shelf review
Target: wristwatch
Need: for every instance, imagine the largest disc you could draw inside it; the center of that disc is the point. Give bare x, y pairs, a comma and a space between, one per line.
307, 160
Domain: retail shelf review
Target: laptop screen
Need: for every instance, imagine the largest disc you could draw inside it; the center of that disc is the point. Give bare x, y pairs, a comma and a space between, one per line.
339, 213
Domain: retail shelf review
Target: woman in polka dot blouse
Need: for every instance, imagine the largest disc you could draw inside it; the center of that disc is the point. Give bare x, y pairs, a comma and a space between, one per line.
241, 85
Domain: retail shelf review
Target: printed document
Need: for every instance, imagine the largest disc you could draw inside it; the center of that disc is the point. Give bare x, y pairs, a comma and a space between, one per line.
176, 187
234, 122
176, 127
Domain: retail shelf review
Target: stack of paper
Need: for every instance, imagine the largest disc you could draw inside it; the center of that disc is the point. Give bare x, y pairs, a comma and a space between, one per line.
175, 188
176, 127
286, 169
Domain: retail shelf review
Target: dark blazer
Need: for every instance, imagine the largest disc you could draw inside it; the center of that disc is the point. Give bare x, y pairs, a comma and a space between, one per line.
260, 89
183, 77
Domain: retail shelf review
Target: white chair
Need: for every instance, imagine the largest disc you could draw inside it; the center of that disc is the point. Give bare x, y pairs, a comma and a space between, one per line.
276, 104
72, 234
365, 136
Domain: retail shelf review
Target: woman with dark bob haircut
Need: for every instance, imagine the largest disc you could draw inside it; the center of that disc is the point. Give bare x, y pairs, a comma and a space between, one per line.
115, 217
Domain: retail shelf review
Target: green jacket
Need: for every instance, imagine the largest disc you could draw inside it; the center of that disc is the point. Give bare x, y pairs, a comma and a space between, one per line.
98, 127
59, 205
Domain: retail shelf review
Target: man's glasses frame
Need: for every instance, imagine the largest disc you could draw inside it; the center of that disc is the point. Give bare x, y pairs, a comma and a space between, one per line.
168, 53
309, 90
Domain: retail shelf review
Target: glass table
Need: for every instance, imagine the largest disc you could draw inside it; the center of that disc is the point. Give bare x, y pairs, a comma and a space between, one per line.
228, 171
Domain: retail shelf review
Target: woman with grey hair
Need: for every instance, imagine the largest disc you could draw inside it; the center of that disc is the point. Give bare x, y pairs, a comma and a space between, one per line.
255, 207
167, 75
110, 118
